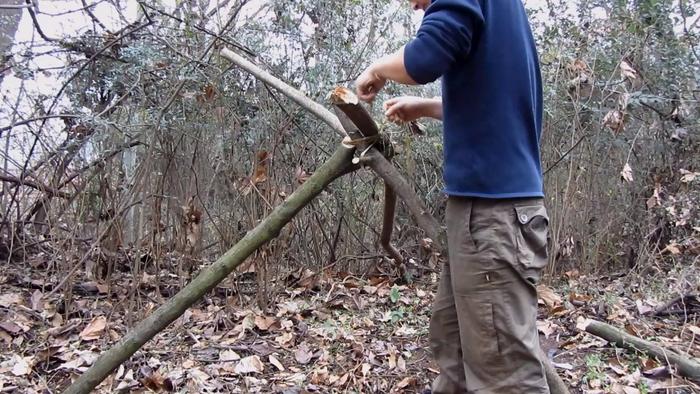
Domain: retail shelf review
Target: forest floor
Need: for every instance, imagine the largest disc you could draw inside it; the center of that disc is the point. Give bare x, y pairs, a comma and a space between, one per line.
327, 333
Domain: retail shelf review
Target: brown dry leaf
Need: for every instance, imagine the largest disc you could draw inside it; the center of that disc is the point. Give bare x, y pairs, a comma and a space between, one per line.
304, 278
22, 366
264, 323
579, 299
642, 308
285, 339
274, 361
343, 379
573, 274
320, 376
392, 359
208, 94
614, 120
649, 363
401, 364
406, 382
5, 337
94, 329
247, 324
579, 66
688, 176
655, 199
250, 364
156, 382
620, 389
632, 330
558, 311
229, 355
672, 248
618, 368
37, 305
582, 323
10, 299
626, 173
546, 327
303, 354
127, 381
548, 296
366, 368
260, 172
628, 71
694, 329
618, 315
595, 383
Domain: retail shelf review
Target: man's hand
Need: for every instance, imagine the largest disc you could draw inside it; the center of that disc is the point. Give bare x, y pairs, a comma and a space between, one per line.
409, 108
369, 83
373, 79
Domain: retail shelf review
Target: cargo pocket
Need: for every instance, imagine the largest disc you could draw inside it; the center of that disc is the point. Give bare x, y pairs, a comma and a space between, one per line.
531, 239
489, 338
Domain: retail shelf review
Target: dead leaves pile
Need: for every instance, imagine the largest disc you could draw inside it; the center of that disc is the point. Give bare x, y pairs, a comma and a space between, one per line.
590, 363
324, 335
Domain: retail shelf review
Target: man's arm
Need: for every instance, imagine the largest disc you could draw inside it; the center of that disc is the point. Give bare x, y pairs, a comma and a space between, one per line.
373, 79
408, 108
444, 37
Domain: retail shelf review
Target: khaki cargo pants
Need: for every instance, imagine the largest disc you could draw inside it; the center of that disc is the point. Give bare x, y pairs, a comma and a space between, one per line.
482, 331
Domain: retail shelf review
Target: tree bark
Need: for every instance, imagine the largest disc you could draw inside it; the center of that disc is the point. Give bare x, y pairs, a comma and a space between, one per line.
214, 274
686, 367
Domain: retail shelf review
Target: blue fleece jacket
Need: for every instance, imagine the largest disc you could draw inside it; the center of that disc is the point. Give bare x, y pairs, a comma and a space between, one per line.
491, 94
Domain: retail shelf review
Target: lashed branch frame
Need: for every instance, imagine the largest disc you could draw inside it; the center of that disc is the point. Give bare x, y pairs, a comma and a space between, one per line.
354, 123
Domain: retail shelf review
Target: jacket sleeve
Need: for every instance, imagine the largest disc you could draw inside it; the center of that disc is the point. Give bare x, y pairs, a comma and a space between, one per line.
445, 36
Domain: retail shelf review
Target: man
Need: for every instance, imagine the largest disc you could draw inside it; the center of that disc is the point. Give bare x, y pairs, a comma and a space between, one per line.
482, 330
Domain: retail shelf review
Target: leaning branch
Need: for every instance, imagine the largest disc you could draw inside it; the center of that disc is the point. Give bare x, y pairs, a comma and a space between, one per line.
214, 274
298, 97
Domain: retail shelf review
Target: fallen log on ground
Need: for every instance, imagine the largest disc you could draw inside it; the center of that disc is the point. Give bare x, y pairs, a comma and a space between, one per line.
685, 366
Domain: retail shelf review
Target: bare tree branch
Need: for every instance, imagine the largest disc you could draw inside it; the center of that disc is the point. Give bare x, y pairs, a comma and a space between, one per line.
34, 185
38, 118
32, 13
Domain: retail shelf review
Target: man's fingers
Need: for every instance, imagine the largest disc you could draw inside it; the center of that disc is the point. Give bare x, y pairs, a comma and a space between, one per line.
392, 110
367, 97
390, 102
395, 115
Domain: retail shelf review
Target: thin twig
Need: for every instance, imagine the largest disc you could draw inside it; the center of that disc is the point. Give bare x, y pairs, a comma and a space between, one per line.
566, 154
38, 118
14, 7
87, 7
30, 8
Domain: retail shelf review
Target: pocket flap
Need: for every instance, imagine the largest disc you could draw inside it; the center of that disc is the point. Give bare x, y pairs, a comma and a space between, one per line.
526, 213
